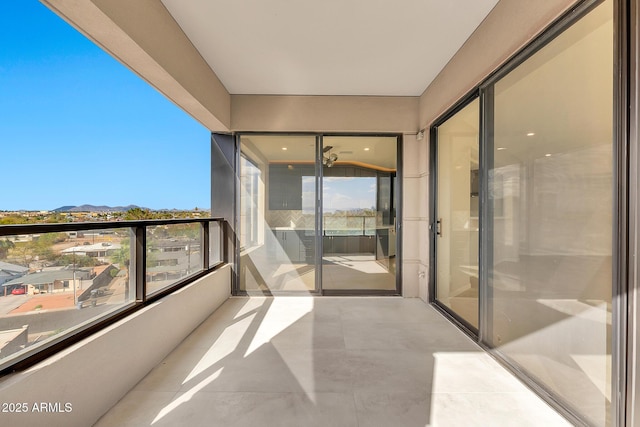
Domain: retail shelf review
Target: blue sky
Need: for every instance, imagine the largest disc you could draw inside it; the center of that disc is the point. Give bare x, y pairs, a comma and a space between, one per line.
77, 127
340, 193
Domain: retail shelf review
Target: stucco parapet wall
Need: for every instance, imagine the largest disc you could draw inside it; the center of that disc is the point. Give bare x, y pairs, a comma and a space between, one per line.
93, 374
510, 26
324, 113
144, 37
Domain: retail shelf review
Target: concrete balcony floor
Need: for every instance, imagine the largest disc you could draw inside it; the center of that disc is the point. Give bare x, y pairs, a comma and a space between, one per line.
304, 361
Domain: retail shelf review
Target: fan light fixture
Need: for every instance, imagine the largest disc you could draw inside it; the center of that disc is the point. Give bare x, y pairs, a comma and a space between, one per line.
330, 159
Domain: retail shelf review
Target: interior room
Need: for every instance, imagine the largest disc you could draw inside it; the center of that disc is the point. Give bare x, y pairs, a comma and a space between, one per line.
281, 177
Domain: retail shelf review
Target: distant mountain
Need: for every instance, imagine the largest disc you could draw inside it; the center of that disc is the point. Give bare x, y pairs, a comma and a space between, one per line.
63, 209
92, 208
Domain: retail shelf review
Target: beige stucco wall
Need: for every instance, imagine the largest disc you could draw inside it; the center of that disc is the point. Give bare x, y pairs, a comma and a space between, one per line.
324, 113
92, 375
509, 27
415, 216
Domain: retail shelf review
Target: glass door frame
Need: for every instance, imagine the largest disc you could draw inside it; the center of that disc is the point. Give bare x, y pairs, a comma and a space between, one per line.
397, 191
433, 214
236, 291
236, 274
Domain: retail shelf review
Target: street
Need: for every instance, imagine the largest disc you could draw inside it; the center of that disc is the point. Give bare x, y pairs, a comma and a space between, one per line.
10, 302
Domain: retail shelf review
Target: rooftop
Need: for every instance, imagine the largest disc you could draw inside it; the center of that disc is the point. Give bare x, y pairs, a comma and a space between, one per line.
50, 276
13, 268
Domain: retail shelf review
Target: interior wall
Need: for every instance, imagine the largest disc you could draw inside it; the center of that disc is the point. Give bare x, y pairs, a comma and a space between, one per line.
93, 375
166, 59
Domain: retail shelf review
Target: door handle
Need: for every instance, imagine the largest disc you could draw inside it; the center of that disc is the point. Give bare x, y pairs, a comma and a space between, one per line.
439, 227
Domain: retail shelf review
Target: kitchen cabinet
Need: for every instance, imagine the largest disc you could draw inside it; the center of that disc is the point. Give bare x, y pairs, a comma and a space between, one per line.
334, 244
348, 171
285, 187
348, 244
367, 244
289, 246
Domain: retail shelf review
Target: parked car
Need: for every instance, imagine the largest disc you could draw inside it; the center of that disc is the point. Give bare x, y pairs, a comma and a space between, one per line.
17, 291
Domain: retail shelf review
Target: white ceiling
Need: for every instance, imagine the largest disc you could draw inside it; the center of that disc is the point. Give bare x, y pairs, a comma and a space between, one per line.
328, 47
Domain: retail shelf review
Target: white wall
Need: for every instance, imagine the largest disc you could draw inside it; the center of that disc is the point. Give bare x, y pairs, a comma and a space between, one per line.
96, 372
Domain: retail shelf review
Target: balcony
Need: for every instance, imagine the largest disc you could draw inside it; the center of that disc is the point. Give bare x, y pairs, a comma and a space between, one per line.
305, 361
162, 343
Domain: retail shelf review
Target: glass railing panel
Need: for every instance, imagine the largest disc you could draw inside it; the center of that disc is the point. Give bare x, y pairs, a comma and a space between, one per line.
215, 243
353, 225
55, 283
173, 252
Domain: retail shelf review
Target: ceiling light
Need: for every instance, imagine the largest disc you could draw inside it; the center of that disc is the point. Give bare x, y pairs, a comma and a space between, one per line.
501, 148
548, 155
366, 149
531, 134
284, 148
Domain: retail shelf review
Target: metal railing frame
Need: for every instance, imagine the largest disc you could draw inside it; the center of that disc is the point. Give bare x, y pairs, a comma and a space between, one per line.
138, 263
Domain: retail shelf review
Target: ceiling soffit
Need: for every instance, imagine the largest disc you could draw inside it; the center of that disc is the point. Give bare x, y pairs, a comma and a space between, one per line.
334, 47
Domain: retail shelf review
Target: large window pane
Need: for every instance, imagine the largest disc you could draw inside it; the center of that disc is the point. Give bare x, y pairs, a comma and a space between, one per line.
54, 283
358, 213
457, 213
173, 253
215, 243
277, 213
551, 202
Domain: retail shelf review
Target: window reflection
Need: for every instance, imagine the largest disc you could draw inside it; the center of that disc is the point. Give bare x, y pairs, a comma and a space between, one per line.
551, 199
458, 213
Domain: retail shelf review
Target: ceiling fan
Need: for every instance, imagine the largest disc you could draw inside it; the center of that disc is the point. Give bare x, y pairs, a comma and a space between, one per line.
328, 160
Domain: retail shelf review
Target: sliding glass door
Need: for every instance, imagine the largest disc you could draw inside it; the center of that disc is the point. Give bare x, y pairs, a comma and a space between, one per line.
359, 202
277, 214
457, 213
550, 222
295, 238
523, 223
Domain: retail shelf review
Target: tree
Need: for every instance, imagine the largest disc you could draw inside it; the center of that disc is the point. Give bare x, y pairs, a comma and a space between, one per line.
40, 246
77, 260
57, 218
13, 219
138, 214
5, 245
122, 256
